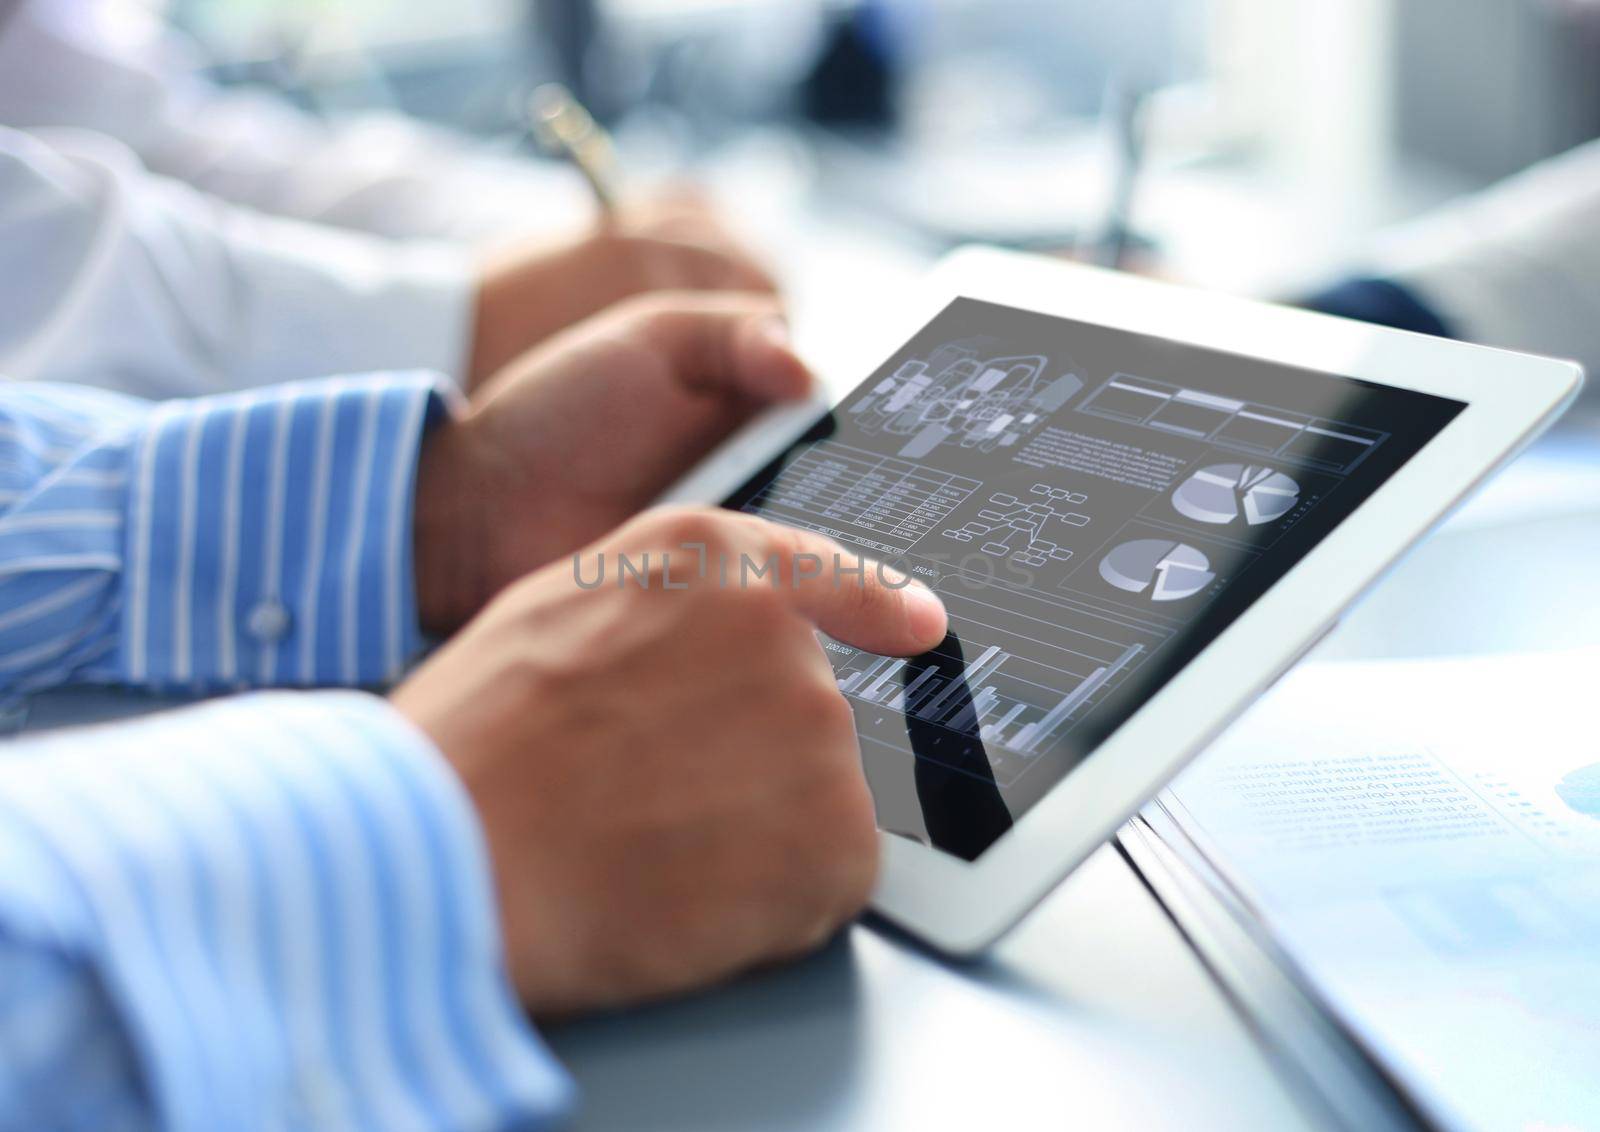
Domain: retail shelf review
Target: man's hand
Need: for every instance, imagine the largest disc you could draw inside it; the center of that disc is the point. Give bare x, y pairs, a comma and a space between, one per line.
582, 433
668, 778
527, 293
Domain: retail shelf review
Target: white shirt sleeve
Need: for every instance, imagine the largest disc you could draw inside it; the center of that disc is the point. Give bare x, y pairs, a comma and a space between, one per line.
1516, 266
117, 278
110, 67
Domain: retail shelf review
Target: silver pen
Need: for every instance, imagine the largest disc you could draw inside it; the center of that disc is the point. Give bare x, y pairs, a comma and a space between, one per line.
565, 129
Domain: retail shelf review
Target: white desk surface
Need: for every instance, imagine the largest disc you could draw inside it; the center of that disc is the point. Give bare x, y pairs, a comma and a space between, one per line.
1094, 1013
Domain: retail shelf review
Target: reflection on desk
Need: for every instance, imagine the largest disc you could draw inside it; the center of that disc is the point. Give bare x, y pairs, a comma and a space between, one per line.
1092, 1015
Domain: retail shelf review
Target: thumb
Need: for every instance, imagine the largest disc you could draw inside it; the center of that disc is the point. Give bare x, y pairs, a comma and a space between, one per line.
721, 344
858, 600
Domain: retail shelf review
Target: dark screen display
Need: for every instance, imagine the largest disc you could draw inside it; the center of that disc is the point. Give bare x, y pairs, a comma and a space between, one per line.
1094, 506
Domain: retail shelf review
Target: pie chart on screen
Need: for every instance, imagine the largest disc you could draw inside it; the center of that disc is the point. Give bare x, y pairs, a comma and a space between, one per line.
1224, 493
1157, 568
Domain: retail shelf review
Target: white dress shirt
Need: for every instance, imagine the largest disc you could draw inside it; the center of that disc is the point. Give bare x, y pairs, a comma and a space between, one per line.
164, 237
111, 276
112, 67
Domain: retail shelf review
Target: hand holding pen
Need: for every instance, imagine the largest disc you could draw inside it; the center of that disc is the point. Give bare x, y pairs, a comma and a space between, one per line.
666, 242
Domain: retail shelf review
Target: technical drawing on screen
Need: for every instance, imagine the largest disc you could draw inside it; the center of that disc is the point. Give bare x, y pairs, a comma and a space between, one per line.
1094, 506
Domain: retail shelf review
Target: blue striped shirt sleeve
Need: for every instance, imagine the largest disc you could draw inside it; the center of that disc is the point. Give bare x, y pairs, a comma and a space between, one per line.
268, 912
259, 539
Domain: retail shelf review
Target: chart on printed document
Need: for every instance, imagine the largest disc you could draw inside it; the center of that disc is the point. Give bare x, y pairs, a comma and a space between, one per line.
1092, 505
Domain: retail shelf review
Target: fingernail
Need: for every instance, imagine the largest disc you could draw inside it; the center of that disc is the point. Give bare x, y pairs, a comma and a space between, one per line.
925, 614
774, 331
780, 373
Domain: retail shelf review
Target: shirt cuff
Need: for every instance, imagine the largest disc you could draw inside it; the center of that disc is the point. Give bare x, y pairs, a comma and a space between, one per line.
1382, 302
287, 902
269, 536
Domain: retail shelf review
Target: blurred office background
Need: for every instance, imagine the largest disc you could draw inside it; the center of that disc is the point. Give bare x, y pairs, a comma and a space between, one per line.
1275, 135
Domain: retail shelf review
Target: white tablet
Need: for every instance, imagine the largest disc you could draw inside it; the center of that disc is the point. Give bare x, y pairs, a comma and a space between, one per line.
1141, 504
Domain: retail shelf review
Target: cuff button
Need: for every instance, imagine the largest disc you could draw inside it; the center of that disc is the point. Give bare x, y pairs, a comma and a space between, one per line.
268, 621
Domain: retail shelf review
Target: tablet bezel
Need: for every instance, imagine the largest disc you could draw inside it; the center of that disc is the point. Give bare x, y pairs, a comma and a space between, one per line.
961, 907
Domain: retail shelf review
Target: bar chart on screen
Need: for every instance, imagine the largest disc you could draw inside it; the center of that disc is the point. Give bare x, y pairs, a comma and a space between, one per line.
1243, 426
995, 683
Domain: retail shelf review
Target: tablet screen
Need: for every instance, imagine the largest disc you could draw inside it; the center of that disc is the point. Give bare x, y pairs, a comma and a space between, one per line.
1094, 506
